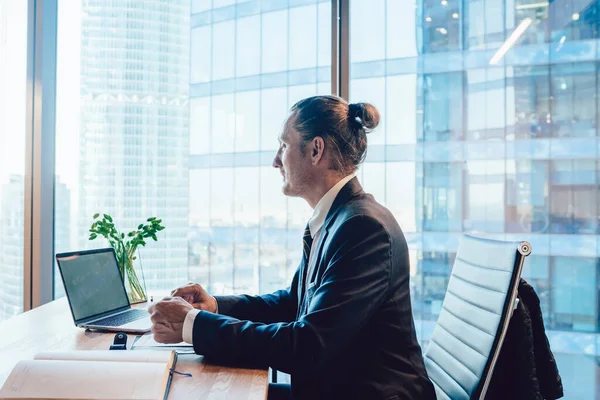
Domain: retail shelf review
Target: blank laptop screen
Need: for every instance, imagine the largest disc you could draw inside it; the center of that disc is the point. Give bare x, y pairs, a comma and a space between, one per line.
92, 283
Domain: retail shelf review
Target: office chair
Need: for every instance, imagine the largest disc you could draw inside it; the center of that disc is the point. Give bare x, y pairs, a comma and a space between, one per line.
476, 311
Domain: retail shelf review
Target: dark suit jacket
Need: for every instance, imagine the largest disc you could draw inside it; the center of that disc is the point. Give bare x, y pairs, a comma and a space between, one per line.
349, 335
526, 368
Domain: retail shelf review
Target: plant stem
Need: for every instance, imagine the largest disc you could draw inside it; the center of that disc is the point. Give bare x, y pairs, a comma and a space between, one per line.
137, 291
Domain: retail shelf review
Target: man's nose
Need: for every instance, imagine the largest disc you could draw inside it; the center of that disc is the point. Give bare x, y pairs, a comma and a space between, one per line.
277, 161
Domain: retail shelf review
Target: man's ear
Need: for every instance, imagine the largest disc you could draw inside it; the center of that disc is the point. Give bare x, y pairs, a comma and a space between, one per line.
317, 150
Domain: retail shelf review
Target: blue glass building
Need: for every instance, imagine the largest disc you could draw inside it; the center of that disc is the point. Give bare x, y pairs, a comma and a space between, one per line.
506, 149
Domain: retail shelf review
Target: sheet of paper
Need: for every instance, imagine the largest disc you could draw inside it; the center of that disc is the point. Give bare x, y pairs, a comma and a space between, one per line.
148, 341
107, 355
54, 379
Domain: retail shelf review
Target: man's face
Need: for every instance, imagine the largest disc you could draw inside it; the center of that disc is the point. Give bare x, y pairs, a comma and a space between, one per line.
295, 166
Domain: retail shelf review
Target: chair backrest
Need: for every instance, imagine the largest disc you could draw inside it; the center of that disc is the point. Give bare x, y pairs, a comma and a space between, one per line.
481, 294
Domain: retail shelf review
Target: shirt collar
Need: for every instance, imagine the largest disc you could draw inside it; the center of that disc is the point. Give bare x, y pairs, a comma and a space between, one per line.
315, 223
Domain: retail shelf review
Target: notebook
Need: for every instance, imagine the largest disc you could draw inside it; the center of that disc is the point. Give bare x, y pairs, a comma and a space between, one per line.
92, 374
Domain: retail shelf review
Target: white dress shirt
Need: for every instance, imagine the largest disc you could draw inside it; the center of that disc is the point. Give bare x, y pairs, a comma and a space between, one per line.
315, 223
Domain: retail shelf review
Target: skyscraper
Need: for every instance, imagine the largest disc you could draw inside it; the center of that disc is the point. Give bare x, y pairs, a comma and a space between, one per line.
134, 126
13, 83
11, 247
11, 242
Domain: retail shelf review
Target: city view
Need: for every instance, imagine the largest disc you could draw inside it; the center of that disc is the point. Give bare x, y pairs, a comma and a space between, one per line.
172, 109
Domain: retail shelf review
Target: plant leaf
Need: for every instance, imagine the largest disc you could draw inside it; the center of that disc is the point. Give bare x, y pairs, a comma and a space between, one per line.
151, 219
108, 218
140, 226
96, 215
122, 236
154, 237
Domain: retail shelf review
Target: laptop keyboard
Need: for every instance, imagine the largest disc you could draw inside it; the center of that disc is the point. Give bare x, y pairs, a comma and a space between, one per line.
123, 318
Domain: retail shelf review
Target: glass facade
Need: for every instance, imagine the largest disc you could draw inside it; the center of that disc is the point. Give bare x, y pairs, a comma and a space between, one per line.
243, 232
13, 82
507, 150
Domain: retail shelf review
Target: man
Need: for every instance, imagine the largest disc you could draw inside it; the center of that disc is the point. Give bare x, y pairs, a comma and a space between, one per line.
344, 327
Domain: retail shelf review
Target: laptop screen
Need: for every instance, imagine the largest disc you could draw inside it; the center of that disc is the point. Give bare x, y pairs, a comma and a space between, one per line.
92, 282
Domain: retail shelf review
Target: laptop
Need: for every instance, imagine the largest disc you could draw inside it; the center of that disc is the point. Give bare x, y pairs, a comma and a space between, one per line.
96, 292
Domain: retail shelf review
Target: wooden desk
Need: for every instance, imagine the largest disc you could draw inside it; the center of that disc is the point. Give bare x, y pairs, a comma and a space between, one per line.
51, 327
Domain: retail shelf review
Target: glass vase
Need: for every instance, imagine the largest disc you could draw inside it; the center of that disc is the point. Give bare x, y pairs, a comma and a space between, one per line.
133, 278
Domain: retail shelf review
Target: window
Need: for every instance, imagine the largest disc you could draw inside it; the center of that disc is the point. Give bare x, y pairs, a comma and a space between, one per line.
574, 294
506, 151
435, 270
13, 68
222, 124
574, 21
485, 101
223, 61
573, 115
113, 153
368, 33
527, 196
274, 41
484, 188
247, 121
532, 102
442, 197
443, 111
484, 23
174, 109
441, 26
247, 46
179, 118
273, 256
574, 197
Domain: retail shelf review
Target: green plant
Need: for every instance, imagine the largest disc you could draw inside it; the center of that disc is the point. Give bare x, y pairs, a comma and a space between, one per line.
125, 247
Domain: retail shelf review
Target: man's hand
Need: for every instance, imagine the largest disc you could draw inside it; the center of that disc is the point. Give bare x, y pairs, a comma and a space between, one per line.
197, 297
167, 318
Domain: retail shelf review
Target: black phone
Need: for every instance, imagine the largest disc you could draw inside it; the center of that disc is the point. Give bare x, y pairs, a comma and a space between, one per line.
120, 342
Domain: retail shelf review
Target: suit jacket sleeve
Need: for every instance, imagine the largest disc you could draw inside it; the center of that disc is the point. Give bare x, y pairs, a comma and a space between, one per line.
280, 306
353, 286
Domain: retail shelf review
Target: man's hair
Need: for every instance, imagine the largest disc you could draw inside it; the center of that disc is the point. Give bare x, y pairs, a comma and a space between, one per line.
342, 126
